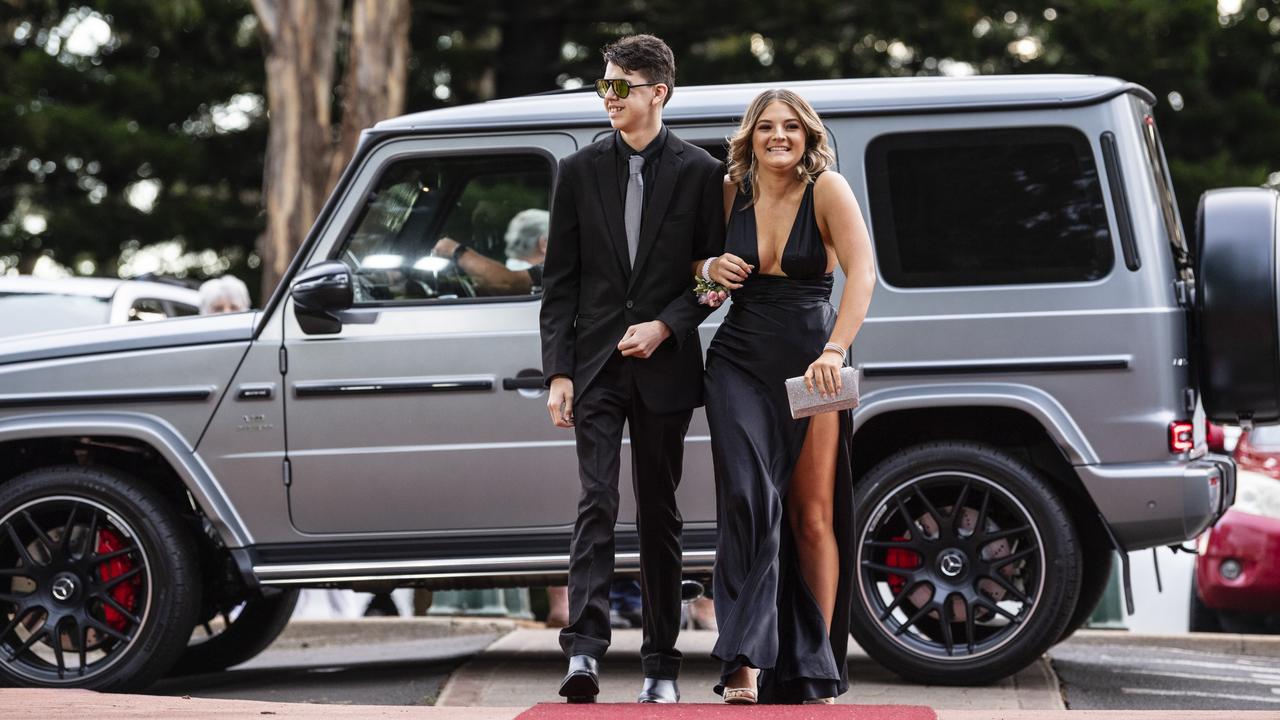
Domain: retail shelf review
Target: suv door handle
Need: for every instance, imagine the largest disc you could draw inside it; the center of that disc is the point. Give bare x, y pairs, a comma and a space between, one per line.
523, 382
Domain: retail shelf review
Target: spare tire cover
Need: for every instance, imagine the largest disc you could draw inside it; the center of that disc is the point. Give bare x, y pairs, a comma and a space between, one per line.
1237, 321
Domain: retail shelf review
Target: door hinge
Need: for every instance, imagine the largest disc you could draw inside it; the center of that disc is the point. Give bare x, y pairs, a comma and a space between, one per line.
284, 361
287, 473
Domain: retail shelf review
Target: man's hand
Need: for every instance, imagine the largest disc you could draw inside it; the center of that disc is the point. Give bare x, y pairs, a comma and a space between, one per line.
642, 339
560, 402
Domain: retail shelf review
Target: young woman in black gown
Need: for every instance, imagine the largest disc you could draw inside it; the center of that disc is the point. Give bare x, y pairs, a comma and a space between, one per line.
784, 487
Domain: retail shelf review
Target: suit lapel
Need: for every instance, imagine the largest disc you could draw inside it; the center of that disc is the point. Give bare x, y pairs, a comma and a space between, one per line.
656, 208
611, 202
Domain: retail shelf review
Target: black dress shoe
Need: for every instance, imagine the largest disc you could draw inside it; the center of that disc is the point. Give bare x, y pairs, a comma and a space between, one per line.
582, 683
657, 690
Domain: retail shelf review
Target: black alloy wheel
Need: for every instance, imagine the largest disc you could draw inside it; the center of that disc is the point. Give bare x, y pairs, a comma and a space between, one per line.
967, 566
95, 581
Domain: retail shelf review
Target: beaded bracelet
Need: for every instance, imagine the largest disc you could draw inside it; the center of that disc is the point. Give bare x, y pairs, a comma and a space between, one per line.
706, 269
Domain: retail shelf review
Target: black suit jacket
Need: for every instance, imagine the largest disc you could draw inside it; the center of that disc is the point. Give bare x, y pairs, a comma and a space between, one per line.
591, 294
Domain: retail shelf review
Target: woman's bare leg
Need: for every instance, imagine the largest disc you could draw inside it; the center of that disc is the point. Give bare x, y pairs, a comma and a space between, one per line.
743, 677
810, 501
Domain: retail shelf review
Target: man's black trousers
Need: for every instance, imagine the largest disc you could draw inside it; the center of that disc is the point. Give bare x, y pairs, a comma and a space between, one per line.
657, 452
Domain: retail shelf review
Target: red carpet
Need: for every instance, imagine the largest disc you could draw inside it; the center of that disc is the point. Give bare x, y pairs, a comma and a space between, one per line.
683, 711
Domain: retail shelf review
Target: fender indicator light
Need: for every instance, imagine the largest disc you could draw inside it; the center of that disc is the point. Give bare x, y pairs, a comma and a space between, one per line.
1181, 437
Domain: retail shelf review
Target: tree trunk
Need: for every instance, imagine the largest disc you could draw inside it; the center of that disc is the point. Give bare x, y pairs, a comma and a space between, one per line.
301, 36
27, 259
377, 70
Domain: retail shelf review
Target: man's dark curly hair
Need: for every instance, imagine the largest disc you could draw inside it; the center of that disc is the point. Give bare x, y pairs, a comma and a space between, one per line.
647, 55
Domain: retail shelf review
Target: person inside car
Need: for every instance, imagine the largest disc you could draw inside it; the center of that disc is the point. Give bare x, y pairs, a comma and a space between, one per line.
225, 294
526, 239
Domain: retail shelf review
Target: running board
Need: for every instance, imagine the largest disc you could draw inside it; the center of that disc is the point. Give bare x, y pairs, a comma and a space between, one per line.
453, 569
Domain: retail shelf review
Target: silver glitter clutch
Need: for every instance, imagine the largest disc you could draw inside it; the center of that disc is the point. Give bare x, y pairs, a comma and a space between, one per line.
805, 403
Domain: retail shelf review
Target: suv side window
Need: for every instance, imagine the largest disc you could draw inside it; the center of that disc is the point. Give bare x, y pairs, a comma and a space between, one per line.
402, 248
987, 207
1153, 150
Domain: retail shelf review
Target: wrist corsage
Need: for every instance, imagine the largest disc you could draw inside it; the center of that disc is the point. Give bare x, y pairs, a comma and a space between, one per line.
710, 292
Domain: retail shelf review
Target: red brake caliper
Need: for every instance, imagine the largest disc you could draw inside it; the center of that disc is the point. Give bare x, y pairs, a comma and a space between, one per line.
899, 558
126, 592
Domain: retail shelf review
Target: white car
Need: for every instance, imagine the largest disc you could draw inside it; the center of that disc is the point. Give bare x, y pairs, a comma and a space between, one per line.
30, 305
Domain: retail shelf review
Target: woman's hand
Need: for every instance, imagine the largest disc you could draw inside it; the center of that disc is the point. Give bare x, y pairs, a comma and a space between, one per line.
729, 270
824, 374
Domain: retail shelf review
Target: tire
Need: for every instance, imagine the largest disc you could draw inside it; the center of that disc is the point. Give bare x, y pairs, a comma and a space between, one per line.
102, 563
245, 631
967, 565
1236, 362
1200, 617
1094, 578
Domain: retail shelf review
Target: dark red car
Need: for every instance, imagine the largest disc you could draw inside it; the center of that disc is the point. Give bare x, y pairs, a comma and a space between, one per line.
1237, 578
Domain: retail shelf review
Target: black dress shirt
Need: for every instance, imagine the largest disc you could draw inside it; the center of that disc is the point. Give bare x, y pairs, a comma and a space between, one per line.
652, 154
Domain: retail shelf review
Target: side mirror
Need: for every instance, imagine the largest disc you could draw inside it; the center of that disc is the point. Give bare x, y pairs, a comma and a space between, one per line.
320, 294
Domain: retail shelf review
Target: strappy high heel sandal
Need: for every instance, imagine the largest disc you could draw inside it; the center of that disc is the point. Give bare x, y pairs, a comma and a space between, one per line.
742, 695
739, 696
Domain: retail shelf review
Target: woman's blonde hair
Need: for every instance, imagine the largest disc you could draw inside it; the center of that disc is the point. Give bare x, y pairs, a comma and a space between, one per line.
817, 151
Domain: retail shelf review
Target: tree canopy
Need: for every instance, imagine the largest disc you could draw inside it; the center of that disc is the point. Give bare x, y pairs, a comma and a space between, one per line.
126, 123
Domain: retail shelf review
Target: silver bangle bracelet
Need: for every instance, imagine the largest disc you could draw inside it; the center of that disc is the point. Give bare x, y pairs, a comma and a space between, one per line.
832, 347
706, 269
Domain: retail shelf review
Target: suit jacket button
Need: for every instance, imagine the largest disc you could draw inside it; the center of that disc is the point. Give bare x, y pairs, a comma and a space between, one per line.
630, 304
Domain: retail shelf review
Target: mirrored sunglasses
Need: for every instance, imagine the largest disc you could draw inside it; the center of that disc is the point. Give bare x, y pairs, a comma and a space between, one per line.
621, 87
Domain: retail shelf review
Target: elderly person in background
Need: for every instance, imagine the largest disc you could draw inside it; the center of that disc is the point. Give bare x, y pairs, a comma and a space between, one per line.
526, 251
223, 295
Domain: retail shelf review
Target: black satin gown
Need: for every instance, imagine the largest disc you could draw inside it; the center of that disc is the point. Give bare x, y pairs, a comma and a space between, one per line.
775, 327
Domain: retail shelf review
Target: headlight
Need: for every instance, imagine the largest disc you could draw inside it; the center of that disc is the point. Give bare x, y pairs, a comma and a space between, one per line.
1257, 494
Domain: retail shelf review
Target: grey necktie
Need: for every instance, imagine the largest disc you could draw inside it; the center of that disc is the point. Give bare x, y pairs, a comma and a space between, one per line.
634, 204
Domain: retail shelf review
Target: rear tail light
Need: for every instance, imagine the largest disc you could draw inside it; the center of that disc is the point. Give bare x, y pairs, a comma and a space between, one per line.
1180, 436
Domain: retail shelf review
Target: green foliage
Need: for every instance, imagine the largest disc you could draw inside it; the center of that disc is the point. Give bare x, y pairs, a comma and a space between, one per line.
83, 125
142, 107
1224, 73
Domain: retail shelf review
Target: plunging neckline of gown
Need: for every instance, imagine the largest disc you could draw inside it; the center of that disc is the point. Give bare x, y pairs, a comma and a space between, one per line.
791, 233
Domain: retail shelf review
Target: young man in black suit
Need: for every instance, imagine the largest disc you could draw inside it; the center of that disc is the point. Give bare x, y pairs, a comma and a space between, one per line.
620, 343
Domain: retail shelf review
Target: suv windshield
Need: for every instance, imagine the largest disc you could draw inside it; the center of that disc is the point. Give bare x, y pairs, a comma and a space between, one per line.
41, 312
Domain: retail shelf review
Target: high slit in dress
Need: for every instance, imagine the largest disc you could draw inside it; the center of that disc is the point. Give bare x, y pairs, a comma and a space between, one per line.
776, 326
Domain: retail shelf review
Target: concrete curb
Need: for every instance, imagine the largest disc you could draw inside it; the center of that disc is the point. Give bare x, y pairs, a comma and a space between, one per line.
304, 633
1227, 644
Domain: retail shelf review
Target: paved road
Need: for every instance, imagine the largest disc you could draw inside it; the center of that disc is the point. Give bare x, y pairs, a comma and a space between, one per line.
1125, 677
399, 663
368, 669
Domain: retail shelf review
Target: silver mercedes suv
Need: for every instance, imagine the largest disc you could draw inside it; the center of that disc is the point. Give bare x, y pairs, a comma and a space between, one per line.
1039, 361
